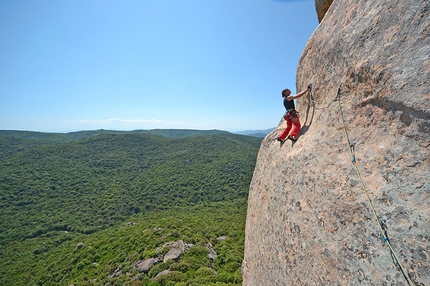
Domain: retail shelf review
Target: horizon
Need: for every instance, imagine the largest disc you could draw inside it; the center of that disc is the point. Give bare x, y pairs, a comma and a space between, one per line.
73, 66
115, 130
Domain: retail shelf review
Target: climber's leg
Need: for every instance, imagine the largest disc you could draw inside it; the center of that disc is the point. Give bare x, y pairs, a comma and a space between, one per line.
295, 130
287, 129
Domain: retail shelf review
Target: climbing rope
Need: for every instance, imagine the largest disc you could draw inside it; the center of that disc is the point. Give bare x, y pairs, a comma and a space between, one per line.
381, 223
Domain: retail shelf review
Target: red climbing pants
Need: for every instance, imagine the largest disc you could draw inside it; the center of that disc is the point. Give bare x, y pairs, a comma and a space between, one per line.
293, 125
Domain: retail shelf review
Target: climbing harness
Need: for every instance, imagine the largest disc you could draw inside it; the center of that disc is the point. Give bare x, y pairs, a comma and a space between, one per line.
291, 113
381, 222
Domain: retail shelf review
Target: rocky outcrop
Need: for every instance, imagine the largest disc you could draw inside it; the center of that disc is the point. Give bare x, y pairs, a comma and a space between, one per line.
212, 254
164, 272
309, 220
173, 254
175, 250
145, 265
321, 7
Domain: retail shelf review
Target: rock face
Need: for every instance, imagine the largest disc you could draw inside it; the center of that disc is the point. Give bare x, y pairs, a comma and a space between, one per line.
309, 220
321, 7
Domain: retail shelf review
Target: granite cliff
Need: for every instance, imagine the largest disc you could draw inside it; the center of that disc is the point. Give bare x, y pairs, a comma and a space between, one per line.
309, 220
321, 7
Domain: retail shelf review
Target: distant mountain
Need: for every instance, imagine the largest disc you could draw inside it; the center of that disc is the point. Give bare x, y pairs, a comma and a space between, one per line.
256, 133
73, 136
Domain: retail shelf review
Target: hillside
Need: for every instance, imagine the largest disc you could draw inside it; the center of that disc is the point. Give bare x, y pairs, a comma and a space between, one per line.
348, 202
79, 135
56, 193
10, 146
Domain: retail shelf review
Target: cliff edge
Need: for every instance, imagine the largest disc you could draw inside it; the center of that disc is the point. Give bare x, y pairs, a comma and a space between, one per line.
321, 7
309, 220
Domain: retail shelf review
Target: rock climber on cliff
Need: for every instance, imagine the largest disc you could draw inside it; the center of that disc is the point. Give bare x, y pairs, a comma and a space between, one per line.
291, 116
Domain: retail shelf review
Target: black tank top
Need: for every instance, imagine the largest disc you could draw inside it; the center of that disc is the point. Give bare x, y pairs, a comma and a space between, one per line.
289, 104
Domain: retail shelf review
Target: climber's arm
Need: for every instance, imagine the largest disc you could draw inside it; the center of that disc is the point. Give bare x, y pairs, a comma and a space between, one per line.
300, 94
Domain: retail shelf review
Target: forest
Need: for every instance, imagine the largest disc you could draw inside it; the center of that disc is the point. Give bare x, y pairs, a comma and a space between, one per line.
120, 196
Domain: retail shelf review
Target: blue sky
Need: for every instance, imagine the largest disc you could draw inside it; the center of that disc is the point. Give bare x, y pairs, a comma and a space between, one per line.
123, 65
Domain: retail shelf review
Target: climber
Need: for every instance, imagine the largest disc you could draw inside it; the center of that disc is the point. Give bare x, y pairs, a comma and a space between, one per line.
291, 116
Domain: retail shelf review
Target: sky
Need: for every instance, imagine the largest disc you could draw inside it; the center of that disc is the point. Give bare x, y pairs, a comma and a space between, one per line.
75, 65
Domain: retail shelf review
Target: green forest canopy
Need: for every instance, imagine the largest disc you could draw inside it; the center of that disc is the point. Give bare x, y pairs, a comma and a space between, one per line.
57, 191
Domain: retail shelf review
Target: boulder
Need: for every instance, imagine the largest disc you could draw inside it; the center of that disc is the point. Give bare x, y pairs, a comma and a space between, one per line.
145, 265
212, 255
309, 220
173, 244
116, 273
164, 272
174, 254
177, 248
